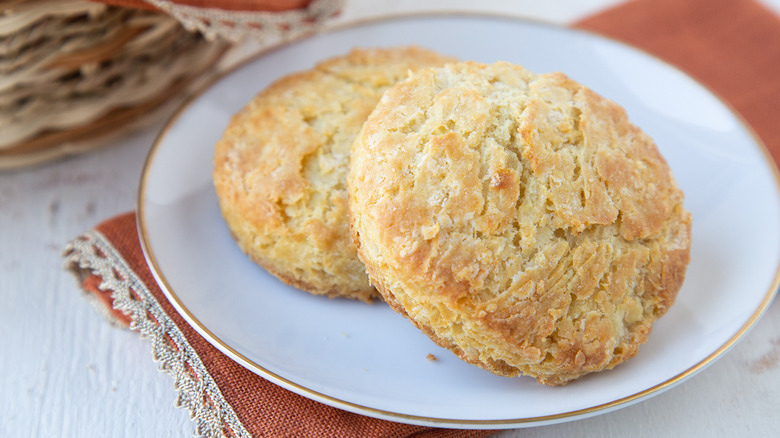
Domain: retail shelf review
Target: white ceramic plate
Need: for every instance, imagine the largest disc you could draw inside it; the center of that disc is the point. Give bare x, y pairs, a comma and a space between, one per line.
367, 359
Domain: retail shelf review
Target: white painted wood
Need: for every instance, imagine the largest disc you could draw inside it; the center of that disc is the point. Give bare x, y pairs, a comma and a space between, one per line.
65, 372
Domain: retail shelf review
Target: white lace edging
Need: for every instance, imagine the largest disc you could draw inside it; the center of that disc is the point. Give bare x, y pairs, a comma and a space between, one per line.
92, 253
263, 25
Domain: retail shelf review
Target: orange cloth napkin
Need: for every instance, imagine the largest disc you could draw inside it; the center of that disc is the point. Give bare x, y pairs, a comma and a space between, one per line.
111, 268
732, 46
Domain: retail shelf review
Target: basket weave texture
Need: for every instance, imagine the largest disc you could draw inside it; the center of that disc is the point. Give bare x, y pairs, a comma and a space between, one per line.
75, 74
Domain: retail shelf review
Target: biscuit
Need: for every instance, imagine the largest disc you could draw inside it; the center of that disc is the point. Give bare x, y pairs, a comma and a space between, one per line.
280, 168
518, 219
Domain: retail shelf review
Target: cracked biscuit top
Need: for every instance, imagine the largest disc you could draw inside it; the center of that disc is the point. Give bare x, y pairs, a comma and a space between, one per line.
518, 219
280, 168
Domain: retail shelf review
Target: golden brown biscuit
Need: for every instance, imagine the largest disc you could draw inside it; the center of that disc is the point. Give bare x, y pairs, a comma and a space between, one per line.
519, 220
280, 168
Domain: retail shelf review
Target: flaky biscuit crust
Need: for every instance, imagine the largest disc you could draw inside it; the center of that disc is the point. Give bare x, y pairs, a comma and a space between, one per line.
519, 220
280, 168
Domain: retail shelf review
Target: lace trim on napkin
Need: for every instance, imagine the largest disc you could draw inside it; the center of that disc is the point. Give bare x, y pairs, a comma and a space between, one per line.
267, 26
93, 254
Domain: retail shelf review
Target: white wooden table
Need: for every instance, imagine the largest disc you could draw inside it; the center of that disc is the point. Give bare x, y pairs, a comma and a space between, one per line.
65, 372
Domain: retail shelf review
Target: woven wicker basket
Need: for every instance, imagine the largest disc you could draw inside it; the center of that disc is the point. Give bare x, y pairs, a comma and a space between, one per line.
75, 74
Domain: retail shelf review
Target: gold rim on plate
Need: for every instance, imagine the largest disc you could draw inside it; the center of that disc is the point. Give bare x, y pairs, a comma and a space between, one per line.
419, 419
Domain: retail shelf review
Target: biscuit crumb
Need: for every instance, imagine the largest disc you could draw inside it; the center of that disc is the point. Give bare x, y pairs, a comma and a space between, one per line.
431, 357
